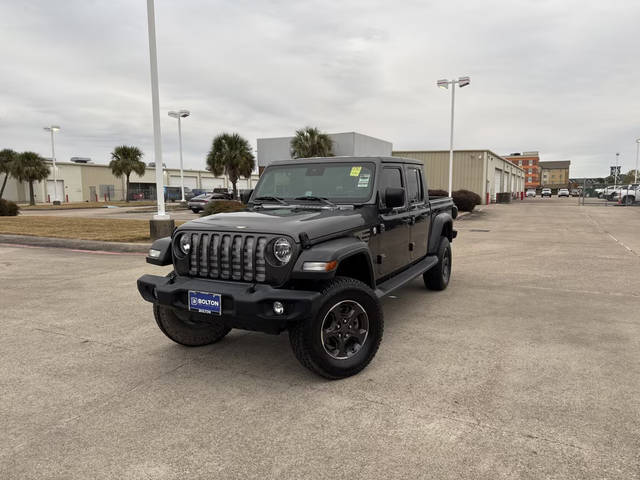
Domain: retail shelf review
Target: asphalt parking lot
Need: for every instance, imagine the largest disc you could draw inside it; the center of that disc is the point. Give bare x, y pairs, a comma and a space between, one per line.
527, 366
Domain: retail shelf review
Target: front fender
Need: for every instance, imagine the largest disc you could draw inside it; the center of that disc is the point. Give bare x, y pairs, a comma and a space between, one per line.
162, 245
338, 249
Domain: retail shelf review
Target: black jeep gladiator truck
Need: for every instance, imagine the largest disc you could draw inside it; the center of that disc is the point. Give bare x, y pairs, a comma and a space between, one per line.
320, 242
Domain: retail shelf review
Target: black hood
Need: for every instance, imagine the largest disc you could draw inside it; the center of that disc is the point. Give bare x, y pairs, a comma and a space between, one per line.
315, 223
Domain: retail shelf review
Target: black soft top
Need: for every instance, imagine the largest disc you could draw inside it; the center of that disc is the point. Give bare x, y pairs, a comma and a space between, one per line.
376, 160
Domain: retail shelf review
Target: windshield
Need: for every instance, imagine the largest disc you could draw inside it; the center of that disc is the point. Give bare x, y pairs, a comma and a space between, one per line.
349, 182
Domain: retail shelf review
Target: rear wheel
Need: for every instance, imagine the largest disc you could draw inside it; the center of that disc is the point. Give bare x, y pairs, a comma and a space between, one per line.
184, 328
438, 277
344, 335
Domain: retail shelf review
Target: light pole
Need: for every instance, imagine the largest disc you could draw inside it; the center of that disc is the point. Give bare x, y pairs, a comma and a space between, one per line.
180, 114
160, 225
616, 172
637, 155
53, 129
462, 82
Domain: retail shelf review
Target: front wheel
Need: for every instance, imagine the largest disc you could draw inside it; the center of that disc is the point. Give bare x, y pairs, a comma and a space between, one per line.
344, 335
438, 277
183, 328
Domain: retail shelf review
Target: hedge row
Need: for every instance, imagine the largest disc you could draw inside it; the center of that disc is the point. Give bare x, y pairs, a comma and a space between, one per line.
465, 200
8, 208
222, 206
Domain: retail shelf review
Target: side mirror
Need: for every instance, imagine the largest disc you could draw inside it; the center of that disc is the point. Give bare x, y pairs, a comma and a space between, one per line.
394, 197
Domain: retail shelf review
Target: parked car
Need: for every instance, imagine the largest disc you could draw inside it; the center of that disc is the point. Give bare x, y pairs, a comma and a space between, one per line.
174, 194
608, 192
546, 192
629, 195
576, 192
563, 192
531, 192
197, 204
322, 241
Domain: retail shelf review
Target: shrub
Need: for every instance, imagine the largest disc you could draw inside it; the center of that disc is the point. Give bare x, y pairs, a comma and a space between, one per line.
8, 208
466, 200
222, 206
438, 193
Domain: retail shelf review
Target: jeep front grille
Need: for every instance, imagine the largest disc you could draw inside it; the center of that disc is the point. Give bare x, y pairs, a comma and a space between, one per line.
228, 256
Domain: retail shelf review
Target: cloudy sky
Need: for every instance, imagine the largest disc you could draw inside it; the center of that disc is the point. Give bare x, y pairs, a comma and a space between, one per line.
560, 76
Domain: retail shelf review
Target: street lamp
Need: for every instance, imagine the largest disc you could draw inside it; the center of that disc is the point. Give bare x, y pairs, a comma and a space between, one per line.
637, 154
161, 224
53, 129
462, 82
180, 114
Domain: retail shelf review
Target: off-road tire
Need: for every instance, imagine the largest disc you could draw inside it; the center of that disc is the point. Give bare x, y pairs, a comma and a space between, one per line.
438, 277
182, 328
306, 335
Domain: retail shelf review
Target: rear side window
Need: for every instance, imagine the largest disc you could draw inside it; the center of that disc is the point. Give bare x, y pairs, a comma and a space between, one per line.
414, 185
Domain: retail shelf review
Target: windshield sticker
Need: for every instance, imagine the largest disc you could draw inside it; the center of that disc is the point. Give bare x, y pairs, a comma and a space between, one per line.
363, 181
355, 171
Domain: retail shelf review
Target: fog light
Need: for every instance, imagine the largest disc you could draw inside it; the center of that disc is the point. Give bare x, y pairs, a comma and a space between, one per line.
278, 308
154, 253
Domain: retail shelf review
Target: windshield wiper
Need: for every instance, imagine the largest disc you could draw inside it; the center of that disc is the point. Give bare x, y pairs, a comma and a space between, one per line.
269, 198
313, 198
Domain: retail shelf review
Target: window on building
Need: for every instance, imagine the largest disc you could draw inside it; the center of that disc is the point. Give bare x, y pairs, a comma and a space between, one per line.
530, 180
530, 172
530, 162
519, 163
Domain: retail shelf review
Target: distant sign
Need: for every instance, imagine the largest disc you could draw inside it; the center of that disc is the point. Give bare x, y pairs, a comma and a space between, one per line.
615, 170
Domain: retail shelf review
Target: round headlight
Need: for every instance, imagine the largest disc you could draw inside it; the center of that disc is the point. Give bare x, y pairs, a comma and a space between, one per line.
185, 244
282, 250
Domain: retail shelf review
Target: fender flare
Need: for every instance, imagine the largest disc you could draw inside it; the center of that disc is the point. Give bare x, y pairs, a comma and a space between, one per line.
338, 249
442, 221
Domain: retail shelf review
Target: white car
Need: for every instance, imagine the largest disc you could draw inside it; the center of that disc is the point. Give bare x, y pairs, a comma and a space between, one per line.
563, 192
629, 195
531, 192
546, 192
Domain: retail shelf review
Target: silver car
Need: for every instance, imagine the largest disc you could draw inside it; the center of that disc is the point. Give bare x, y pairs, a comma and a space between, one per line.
197, 204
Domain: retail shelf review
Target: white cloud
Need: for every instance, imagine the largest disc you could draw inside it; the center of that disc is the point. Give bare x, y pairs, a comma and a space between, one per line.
558, 77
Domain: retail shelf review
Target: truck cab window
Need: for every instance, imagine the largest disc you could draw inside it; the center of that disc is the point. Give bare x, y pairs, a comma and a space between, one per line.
391, 178
414, 185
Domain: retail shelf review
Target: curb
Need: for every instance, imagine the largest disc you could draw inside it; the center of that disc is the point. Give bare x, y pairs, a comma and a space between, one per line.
76, 244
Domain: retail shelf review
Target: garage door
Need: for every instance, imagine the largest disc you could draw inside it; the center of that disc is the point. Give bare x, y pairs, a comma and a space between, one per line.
209, 184
505, 179
497, 181
51, 191
189, 181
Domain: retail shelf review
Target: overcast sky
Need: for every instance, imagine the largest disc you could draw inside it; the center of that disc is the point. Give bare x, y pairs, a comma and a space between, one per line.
560, 77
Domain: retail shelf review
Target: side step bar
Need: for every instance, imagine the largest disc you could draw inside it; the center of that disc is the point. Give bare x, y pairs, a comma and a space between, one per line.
406, 276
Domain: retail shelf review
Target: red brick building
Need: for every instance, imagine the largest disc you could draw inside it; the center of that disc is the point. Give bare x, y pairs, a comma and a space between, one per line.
529, 161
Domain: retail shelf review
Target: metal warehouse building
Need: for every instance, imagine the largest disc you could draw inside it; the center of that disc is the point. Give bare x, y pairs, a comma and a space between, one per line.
480, 171
82, 182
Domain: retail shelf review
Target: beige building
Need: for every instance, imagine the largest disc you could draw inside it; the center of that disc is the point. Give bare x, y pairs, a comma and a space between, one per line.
480, 171
80, 182
555, 174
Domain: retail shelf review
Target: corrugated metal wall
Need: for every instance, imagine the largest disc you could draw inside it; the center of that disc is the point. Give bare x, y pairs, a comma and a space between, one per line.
469, 171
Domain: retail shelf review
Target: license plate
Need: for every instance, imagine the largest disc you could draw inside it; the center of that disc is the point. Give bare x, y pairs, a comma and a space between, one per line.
204, 302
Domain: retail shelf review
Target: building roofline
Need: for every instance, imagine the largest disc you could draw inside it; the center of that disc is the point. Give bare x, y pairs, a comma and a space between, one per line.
400, 152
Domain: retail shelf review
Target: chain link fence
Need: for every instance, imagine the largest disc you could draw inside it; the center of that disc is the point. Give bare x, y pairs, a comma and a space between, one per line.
609, 194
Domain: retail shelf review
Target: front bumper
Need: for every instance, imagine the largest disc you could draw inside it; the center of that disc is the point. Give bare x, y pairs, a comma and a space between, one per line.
244, 305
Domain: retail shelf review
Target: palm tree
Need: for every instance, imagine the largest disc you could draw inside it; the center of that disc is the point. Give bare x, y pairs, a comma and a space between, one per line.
125, 160
7, 159
30, 167
310, 142
231, 154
